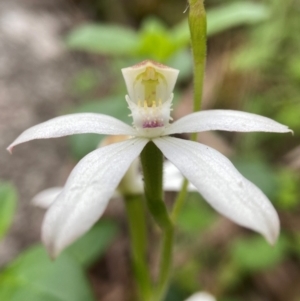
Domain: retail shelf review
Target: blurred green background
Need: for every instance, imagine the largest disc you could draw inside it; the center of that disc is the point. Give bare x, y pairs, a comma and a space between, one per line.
253, 65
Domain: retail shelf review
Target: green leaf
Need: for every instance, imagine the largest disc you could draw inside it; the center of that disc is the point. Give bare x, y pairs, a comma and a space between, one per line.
94, 243
256, 254
115, 106
235, 14
103, 39
33, 276
8, 202
155, 41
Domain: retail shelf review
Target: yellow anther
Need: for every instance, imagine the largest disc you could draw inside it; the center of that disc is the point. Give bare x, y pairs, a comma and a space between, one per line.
154, 104
145, 104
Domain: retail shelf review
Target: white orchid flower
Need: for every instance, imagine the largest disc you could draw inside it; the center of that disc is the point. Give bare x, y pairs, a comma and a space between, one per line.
201, 296
95, 178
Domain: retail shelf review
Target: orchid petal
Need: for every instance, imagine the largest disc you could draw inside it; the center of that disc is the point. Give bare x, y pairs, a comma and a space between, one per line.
45, 198
173, 178
75, 124
223, 187
201, 296
87, 192
225, 120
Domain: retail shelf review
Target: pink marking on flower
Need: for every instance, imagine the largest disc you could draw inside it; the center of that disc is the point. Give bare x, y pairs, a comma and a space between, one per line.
152, 124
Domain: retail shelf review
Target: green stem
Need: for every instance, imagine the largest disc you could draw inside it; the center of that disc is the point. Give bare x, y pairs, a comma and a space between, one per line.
165, 264
179, 202
152, 163
197, 24
138, 237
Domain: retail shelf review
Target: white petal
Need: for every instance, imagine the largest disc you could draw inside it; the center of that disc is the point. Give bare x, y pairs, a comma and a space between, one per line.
202, 296
87, 192
223, 187
173, 178
45, 198
225, 120
132, 182
75, 124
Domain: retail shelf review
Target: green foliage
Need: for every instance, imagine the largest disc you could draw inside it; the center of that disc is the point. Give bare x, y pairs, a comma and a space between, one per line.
259, 173
288, 194
33, 276
235, 14
289, 114
195, 216
294, 68
295, 246
154, 40
8, 203
175, 294
94, 243
115, 106
104, 39
275, 37
255, 254
85, 81
181, 60
187, 275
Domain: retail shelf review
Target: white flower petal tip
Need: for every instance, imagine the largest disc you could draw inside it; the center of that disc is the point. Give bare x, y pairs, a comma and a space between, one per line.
45, 198
225, 120
201, 296
75, 124
85, 196
10, 149
222, 186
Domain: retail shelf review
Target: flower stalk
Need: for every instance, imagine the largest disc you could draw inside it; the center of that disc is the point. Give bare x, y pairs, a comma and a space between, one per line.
197, 25
165, 266
152, 164
138, 238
